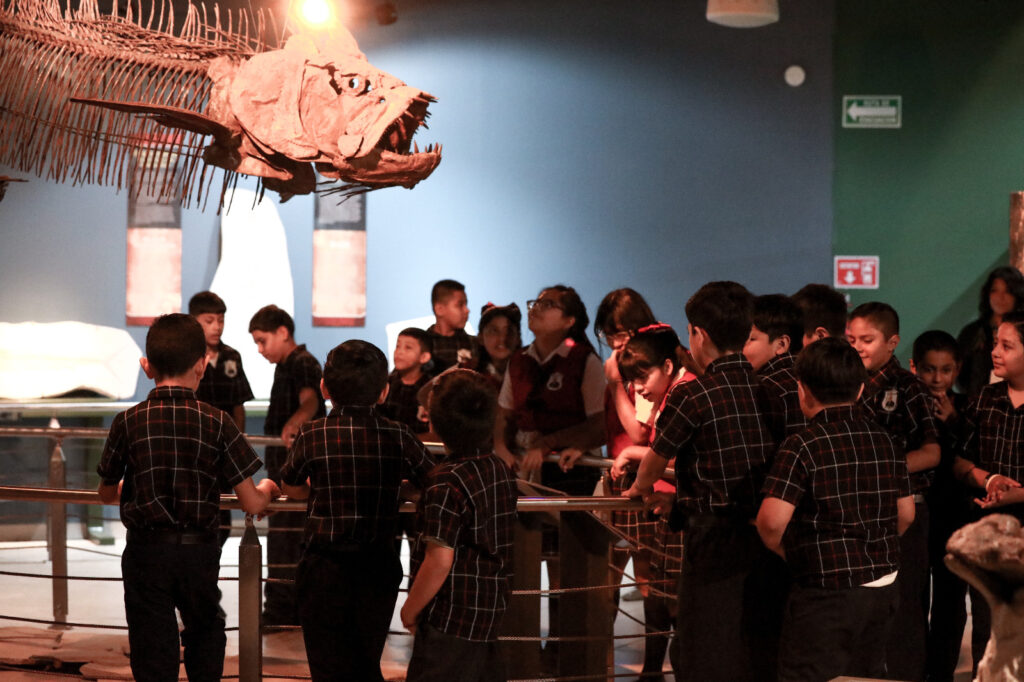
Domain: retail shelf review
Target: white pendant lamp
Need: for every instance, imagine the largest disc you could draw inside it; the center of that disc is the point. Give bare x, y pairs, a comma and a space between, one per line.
743, 13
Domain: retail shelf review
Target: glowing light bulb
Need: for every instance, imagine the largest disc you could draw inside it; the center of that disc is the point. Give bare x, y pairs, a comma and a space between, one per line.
315, 12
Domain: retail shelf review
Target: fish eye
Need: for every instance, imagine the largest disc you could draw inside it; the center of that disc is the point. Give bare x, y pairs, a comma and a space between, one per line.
353, 82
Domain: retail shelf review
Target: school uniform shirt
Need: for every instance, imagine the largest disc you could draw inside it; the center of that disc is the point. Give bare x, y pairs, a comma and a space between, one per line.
171, 449
402, 403
897, 400
224, 385
469, 506
778, 377
844, 474
459, 349
995, 432
720, 430
297, 371
355, 461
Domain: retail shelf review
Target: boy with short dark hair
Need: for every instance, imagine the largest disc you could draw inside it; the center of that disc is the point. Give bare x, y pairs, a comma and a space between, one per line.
836, 499
936, 362
294, 400
899, 402
412, 353
824, 312
776, 335
720, 430
467, 517
224, 384
162, 461
350, 465
450, 344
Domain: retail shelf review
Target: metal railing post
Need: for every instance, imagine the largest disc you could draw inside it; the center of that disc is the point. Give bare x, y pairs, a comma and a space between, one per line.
250, 597
57, 535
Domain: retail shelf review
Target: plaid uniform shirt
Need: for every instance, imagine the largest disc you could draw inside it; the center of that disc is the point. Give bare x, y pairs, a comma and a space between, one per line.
844, 474
171, 449
898, 401
355, 461
778, 377
297, 371
469, 505
458, 349
994, 429
403, 403
720, 430
224, 385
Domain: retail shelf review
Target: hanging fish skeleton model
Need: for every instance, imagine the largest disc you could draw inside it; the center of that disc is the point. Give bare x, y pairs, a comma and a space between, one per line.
145, 102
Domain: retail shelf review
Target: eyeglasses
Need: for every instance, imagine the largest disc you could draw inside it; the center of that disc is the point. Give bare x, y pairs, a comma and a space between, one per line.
616, 338
542, 304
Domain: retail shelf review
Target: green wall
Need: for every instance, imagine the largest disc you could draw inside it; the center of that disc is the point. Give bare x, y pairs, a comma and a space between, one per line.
931, 198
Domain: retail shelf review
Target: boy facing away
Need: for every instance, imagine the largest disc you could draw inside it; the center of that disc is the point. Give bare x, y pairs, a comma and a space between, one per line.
163, 460
450, 344
899, 402
294, 400
412, 354
720, 432
467, 519
350, 465
836, 499
824, 312
776, 335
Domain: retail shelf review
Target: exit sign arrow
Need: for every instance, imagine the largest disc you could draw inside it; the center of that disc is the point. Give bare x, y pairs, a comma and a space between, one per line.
872, 111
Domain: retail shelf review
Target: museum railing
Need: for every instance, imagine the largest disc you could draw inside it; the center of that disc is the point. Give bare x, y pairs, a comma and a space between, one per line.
587, 580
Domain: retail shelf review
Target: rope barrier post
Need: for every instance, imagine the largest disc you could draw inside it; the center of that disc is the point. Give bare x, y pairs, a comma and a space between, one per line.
522, 616
57, 534
250, 597
583, 544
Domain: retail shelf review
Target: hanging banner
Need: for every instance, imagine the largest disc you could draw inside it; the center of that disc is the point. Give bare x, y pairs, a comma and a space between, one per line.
153, 254
339, 262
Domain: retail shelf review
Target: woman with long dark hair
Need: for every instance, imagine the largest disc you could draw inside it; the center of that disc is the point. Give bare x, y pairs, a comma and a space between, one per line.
1002, 292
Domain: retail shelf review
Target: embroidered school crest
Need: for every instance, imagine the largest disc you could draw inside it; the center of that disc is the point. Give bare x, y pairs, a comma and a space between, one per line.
555, 382
463, 356
230, 369
889, 400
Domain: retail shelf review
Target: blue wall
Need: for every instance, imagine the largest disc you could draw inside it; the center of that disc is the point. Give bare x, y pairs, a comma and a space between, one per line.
600, 144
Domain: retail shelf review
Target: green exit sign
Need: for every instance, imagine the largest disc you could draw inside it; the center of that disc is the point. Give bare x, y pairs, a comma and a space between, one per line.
872, 111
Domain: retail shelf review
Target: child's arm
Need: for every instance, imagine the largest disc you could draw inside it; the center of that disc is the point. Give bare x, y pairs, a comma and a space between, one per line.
255, 498
772, 519
110, 493
905, 513
584, 436
434, 570
633, 453
309, 402
925, 457
500, 429
296, 492
652, 466
238, 415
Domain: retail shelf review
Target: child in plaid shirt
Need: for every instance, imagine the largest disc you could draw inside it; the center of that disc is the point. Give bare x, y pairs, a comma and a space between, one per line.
839, 492
163, 460
351, 465
467, 515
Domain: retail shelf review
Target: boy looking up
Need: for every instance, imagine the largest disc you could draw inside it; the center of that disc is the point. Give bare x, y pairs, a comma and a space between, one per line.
718, 429
350, 465
294, 400
776, 335
836, 499
162, 460
412, 352
450, 344
824, 312
224, 384
899, 402
467, 518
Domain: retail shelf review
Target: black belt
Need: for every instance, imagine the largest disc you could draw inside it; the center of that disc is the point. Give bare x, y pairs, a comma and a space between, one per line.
172, 536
